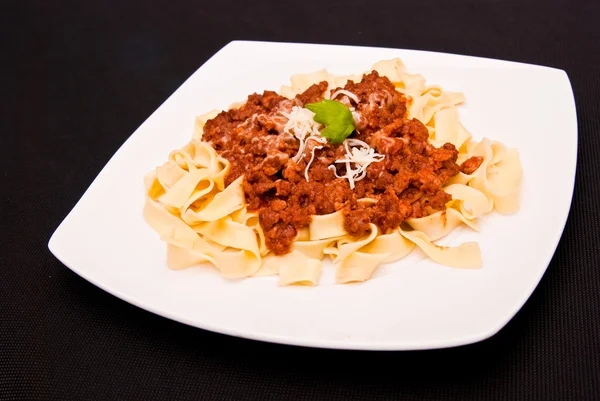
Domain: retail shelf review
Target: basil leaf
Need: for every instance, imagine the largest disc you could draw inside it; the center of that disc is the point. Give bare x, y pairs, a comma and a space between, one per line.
336, 117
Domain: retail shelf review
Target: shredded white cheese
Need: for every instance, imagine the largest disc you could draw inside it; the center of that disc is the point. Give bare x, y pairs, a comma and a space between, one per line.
312, 158
345, 92
359, 154
301, 124
356, 117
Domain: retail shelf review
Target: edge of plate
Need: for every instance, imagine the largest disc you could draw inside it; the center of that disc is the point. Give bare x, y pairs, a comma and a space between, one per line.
241, 42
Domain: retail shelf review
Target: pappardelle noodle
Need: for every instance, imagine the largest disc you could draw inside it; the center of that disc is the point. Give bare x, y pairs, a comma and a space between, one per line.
360, 169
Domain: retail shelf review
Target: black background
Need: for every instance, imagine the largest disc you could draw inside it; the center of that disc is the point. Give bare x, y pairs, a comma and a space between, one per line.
79, 77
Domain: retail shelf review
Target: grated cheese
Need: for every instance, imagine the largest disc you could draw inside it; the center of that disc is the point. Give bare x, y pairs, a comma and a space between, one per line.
361, 155
345, 92
301, 124
312, 158
356, 117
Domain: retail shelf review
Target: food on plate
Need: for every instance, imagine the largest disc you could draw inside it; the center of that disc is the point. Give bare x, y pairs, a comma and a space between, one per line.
361, 169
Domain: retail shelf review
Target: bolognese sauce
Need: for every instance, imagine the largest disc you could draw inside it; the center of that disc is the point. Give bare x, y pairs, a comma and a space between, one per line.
407, 182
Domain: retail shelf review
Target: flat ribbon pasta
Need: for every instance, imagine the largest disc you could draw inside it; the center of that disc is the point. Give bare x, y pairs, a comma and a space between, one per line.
440, 224
327, 226
297, 268
190, 209
201, 121
360, 265
466, 255
472, 203
292, 268
348, 245
243, 256
221, 205
498, 177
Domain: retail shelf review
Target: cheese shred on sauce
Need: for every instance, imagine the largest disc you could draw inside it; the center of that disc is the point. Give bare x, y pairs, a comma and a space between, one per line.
301, 124
312, 158
359, 154
347, 93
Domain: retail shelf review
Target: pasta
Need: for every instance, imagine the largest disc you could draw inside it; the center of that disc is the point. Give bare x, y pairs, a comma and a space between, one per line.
206, 218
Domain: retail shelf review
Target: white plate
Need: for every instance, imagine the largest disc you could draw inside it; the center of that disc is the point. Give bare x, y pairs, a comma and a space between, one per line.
412, 304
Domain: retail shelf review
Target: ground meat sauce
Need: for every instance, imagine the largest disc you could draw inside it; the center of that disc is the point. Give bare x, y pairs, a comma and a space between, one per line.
470, 165
407, 183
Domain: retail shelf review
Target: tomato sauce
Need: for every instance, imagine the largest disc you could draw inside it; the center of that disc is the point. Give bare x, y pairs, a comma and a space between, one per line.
406, 183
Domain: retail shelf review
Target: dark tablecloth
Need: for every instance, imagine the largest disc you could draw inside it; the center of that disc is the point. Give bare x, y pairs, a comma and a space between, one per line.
78, 77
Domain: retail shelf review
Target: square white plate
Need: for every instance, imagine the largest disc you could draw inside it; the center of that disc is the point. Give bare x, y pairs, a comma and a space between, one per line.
412, 304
